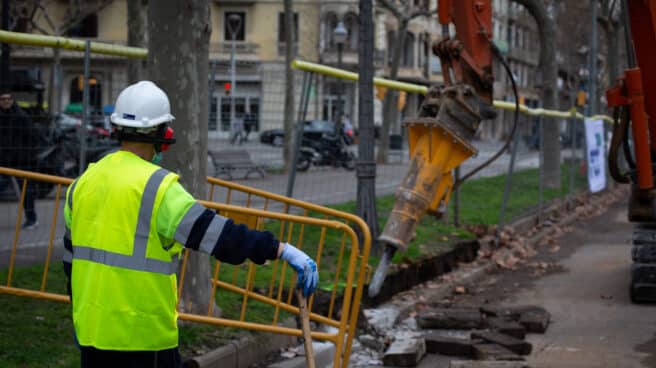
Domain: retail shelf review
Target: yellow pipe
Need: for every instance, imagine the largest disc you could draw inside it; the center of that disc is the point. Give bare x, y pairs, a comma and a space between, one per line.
72, 44
416, 88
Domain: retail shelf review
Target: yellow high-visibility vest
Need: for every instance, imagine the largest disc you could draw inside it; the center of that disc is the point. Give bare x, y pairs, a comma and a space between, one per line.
124, 277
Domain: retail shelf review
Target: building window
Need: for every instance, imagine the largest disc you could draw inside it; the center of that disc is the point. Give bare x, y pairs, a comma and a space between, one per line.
234, 24
352, 28
282, 35
408, 59
281, 28
87, 27
330, 22
391, 37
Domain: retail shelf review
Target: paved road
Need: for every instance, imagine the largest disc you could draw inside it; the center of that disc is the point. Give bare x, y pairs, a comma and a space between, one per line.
595, 324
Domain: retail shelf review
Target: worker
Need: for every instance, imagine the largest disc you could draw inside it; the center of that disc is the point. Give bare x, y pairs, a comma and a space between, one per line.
127, 221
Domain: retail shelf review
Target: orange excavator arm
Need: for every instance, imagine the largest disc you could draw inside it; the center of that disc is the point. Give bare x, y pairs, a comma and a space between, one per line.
448, 119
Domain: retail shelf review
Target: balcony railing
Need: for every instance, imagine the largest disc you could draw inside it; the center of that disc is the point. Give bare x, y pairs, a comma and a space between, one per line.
241, 47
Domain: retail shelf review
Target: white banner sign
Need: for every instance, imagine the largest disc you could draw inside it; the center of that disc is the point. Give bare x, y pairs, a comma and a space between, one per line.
594, 138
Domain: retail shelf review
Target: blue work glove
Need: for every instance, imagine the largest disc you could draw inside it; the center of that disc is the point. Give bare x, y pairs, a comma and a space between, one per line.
308, 277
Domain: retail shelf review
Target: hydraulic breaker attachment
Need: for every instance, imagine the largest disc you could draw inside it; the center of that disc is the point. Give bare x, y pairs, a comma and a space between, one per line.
436, 151
442, 196
437, 146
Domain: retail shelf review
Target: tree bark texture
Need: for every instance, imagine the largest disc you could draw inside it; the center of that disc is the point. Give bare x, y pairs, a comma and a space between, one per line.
179, 33
549, 68
288, 145
390, 112
137, 21
366, 167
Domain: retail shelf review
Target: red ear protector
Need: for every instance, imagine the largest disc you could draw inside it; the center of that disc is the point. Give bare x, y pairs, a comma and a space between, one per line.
164, 138
168, 136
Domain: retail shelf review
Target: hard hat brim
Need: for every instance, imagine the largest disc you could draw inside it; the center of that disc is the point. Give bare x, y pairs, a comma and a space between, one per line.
116, 119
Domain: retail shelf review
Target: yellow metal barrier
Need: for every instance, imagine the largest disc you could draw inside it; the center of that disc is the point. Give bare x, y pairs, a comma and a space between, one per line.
248, 290
236, 193
416, 88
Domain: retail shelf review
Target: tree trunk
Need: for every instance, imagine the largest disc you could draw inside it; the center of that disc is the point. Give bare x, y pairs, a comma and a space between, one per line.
137, 21
366, 167
390, 113
179, 32
548, 66
612, 33
289, 85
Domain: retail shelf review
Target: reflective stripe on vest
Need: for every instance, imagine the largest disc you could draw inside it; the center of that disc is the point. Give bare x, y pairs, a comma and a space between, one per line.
137, 261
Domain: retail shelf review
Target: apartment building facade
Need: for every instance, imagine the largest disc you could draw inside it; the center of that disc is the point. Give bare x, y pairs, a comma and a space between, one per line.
259, 43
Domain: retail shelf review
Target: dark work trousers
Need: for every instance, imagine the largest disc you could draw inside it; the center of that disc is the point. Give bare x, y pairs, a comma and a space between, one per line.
91, 357
28, 205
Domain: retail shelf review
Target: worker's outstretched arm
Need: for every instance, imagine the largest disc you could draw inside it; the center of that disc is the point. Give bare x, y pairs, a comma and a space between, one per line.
189, 223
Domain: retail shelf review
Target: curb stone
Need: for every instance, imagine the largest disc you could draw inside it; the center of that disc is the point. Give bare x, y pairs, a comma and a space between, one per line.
244, 352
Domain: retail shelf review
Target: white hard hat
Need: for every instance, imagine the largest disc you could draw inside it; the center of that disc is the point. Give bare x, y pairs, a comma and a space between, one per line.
141, 105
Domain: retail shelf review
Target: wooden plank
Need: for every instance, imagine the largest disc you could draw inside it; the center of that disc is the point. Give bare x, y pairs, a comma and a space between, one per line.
493, 352
517, 346
449, 318
405, 353
535, 322
449, 346
486, 364
506, 326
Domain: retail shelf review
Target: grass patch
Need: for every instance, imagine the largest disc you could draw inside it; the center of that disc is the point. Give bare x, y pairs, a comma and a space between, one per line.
480, 199
39, 333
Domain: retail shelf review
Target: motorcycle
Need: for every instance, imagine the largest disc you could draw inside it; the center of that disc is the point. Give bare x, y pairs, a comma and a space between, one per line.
328, 149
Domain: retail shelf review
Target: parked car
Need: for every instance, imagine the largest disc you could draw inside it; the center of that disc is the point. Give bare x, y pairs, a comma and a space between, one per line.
311, 129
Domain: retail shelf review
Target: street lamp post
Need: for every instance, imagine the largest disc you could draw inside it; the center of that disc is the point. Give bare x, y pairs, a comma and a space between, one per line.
339, 36
234, 23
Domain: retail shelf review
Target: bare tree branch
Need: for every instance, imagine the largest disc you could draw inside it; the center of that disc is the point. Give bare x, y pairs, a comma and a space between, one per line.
392, 8
421, 13
47, 18
81, 13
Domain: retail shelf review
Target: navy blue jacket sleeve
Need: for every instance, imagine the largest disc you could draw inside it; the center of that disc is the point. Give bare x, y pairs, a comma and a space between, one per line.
237, 242
203, 230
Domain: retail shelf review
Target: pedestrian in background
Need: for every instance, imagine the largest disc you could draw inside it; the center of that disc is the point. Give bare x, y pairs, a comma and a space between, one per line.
19, 144
238, 134
127, 221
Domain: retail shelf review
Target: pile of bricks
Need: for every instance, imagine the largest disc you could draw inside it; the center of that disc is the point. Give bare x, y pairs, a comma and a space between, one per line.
496, 338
